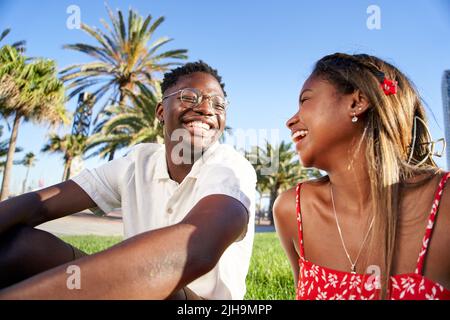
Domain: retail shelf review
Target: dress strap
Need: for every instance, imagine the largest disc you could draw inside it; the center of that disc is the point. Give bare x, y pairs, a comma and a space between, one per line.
299, 222
430, 224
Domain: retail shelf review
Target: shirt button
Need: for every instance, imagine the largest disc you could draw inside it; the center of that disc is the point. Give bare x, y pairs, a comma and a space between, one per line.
169, 211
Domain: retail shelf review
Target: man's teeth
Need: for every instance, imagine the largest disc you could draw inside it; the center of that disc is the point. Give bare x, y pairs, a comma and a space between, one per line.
300, 133
198, 124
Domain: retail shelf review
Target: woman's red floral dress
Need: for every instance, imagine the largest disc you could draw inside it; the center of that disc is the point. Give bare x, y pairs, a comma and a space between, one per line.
321, 283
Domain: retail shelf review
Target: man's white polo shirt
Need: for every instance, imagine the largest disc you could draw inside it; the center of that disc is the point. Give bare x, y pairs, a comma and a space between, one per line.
140, 185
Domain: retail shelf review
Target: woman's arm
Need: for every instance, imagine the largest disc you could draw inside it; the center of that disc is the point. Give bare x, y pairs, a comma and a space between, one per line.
284, 212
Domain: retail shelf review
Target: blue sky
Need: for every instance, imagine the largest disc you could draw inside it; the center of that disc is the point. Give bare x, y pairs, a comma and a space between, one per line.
264, 50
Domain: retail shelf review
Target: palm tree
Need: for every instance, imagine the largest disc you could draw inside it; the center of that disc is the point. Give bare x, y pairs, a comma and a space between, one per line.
123, 58
277, 170
4, 150
30, 90
69, 145
19, 45
126, 126
28, 161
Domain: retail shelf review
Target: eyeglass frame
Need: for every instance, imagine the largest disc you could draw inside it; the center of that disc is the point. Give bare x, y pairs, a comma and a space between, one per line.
201, 95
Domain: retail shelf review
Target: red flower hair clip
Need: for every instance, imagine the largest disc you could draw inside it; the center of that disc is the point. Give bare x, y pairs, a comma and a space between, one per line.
389, 86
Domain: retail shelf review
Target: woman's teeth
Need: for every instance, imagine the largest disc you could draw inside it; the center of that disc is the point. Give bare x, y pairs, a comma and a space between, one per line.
298, 135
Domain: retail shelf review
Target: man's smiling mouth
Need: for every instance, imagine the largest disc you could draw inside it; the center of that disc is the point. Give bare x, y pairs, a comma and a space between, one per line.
198, 125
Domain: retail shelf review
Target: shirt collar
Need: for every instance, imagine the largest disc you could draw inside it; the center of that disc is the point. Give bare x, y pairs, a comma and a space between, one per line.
161, 171
195, 170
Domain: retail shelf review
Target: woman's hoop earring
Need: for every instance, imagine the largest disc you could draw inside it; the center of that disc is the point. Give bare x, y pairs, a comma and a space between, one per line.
432, 144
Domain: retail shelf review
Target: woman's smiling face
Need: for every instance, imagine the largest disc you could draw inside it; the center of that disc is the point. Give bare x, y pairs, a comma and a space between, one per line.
322, 125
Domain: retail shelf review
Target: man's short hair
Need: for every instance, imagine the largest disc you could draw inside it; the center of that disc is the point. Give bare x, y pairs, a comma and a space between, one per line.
171, 77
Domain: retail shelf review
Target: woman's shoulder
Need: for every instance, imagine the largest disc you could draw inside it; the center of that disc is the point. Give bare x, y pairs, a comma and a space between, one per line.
439, 255
285, 214
314, 189
442, 194
427, 182
422, 192
285, 203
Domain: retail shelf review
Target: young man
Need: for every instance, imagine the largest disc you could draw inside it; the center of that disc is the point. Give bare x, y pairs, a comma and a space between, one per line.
188, 212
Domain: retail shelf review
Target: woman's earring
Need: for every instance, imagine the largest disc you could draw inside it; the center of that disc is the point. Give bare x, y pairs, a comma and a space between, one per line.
355, 118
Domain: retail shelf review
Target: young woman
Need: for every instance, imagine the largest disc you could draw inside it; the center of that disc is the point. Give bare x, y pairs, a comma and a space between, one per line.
377, 225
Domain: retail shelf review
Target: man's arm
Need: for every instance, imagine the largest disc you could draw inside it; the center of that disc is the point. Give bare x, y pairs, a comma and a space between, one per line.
37, 207
152, 265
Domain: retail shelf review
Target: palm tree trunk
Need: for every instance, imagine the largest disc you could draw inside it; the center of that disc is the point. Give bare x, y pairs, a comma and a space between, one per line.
111, 154
273, 197
25, 180
260, 207
122, 97
121, 105
67, 169
9, 158
64, 172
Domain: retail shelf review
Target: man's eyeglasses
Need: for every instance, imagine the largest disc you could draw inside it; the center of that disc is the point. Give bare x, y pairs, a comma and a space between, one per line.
192, 98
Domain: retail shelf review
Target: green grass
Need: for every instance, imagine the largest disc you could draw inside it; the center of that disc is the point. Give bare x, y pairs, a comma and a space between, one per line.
91, 244
269, 277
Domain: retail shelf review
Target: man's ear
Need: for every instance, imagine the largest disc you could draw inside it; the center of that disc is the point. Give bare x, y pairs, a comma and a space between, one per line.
160, 112
360, 104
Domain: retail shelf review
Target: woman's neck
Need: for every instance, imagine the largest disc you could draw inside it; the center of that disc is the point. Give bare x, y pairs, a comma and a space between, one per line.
350, 182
